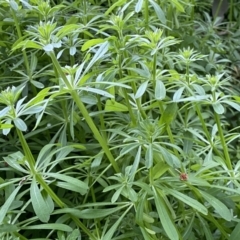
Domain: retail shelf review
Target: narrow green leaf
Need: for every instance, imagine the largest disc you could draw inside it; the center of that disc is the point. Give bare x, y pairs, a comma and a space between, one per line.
77, 184
37, 84
26, 44
4, 111
141, 90
138, 6
169, 114
220, 208
158, 11
159, 169
136, 163
111, 231
178, 5
166, 221
90, 213
233, 105
8, 228
160, 90
102, 50
6, 126
39, 97
218, 108
13, 5
65, 30
178, 94
51, 226
207, 231
38, 203
113, 106
235, 233
187, 200
74, 235
91, 43
20, 124
116, 195
139, 210
15, 160
116, 4
5, 207
149, 156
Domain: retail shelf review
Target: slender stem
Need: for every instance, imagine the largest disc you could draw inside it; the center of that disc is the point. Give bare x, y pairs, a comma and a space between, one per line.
146, 15
154, 70
99, 105
224, 145
132, 116
94, 129
206, 131
85, 113
29, 157
50, 192
31, 162
218, 8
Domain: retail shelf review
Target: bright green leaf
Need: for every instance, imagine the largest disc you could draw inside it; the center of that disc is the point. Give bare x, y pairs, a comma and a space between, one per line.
91, 42
113, 106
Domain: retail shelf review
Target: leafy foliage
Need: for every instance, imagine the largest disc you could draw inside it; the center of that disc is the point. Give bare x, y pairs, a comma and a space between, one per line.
119, 120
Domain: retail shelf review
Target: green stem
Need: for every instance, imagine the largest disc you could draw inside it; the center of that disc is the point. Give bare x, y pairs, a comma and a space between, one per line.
28, 154
146, 15
132, 116
218, 8
31, 162
50, 192
206, 131
224, 145
94, 129
154, 70
85, 113
99, 105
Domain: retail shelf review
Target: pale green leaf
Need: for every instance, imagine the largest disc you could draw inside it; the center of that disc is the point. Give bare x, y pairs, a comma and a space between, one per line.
70, 182
5, 207
220, 208
159, 12
141, 90
187, 200
163, 214
38, 203
138, 6
20, 124
51, 226
160, 90
218, 108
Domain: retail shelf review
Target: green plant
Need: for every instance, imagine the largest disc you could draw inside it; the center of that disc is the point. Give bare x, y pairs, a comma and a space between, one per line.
119, 120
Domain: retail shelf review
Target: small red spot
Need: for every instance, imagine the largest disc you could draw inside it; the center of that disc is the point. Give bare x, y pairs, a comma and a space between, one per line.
183, 176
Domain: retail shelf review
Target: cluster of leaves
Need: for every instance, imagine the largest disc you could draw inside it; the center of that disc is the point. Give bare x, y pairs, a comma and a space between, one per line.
118, 120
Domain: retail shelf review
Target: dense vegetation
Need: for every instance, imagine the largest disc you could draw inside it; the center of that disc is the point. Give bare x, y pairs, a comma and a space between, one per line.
119, 120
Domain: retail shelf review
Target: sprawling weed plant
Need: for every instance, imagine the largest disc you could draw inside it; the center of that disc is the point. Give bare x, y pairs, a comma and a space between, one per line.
119, 120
